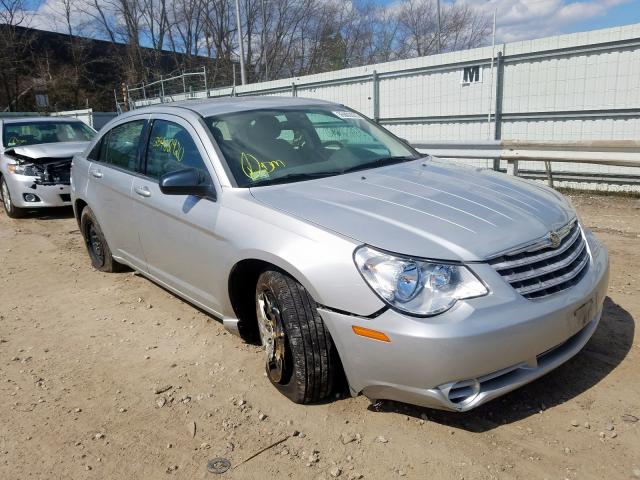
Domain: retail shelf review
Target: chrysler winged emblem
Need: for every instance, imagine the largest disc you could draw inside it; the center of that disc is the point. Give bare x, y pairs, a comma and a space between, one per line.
554, 239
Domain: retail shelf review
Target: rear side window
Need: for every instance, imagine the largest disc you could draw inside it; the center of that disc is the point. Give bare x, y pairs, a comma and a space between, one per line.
171, 148
119, 147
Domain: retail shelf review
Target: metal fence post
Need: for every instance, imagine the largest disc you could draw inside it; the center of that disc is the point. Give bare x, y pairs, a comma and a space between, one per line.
294, 89
547, 166
161, 90
206, 88
376, 95
499, 96
497, 117
130, 104
115, 97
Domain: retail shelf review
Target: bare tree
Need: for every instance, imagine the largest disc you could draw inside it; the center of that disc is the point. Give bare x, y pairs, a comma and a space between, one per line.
76, 75
418, 24
187, 26
122, 22
155, 22
461, 27
14, 44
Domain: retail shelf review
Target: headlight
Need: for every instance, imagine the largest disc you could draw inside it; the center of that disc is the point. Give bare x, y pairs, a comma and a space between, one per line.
27, 169
415, 286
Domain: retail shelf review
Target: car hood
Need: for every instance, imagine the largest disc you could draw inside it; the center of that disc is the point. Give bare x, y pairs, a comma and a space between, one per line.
426, 208
49, 150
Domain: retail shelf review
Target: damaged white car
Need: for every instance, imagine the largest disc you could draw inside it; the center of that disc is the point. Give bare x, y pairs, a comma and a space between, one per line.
35, 161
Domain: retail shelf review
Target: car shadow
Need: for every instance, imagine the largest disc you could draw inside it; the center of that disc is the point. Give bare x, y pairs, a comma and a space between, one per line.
607, 348
52, 213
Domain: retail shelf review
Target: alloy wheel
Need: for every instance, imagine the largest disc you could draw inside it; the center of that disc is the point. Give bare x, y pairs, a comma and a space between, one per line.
6, 196
272, 334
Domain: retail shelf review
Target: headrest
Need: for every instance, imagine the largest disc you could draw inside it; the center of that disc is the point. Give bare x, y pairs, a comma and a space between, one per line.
266, 127
217, 134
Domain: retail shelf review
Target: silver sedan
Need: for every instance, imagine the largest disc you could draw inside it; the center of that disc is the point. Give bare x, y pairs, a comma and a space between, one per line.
309, 228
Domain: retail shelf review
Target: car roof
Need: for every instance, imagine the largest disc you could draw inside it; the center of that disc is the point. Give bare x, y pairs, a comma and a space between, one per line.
215, 106
38, 119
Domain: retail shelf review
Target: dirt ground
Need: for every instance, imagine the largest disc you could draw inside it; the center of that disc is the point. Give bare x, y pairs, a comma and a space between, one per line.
82, 355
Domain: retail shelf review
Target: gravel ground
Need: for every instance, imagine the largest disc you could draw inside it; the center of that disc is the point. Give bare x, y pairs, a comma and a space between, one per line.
109, 376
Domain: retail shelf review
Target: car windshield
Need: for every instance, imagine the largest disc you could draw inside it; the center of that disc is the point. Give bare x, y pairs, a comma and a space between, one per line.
33, 133
269, 146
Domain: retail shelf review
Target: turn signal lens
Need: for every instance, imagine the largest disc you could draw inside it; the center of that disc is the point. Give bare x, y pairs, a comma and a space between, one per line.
367, 332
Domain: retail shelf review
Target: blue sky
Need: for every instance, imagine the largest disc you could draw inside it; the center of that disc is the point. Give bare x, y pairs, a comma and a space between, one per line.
526, 19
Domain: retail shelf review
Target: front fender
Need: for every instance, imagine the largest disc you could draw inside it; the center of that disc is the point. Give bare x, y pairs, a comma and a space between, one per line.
322, 261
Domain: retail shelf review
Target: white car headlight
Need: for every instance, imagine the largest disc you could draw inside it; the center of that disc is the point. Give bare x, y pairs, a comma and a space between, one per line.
414, 286
27, 169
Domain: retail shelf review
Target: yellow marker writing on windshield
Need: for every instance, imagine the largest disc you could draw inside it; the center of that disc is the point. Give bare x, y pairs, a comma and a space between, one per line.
14, 141
257, 170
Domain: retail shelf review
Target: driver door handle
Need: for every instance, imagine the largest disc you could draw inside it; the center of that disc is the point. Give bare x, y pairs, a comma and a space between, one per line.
96, 173
142, 191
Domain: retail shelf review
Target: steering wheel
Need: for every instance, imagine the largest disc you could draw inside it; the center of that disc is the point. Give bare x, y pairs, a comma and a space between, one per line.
333, 142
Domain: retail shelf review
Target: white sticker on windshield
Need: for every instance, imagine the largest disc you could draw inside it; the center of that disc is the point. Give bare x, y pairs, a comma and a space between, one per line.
346, 114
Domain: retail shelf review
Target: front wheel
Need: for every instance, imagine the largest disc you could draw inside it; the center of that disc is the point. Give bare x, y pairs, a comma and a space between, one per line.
9, 207
301, 360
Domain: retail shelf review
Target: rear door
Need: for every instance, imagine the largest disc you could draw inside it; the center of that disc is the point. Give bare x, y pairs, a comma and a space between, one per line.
178, 232
114, 163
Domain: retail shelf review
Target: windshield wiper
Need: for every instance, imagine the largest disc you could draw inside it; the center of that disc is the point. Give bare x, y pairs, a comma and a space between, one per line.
293, 177
296, 177
378, 162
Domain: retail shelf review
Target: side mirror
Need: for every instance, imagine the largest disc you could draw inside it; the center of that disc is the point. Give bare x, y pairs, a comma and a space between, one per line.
188, 181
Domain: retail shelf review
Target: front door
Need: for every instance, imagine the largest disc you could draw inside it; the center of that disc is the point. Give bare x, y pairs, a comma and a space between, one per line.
178, 232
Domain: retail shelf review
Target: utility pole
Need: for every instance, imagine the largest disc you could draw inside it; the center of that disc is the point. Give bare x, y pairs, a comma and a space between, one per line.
243, 73
262, 40
439, 44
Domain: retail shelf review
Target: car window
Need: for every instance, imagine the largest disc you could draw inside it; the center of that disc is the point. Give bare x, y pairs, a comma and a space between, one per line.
94, 154
171, 148
119, 147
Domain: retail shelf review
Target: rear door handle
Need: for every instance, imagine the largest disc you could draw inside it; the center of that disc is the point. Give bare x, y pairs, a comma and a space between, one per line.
96, 173
142, 191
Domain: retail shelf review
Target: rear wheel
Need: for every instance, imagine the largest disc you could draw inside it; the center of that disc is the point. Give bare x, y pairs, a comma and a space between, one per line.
96, 243
301, 360
9, 207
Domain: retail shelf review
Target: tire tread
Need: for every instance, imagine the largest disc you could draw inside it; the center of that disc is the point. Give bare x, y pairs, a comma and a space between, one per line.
312, 349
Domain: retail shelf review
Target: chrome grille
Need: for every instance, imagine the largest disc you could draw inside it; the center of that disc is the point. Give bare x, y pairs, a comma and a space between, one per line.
545, 270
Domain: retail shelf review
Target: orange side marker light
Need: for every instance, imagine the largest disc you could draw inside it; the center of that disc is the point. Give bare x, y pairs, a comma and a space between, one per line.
367, 332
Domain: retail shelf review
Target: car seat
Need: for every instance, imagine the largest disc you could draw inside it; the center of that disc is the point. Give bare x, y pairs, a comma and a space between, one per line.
263, 135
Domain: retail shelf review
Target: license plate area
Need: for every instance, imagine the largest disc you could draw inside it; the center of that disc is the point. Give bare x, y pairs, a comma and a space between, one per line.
583, 314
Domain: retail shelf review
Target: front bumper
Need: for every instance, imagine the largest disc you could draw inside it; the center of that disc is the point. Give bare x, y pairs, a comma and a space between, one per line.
480, 349
47, 195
